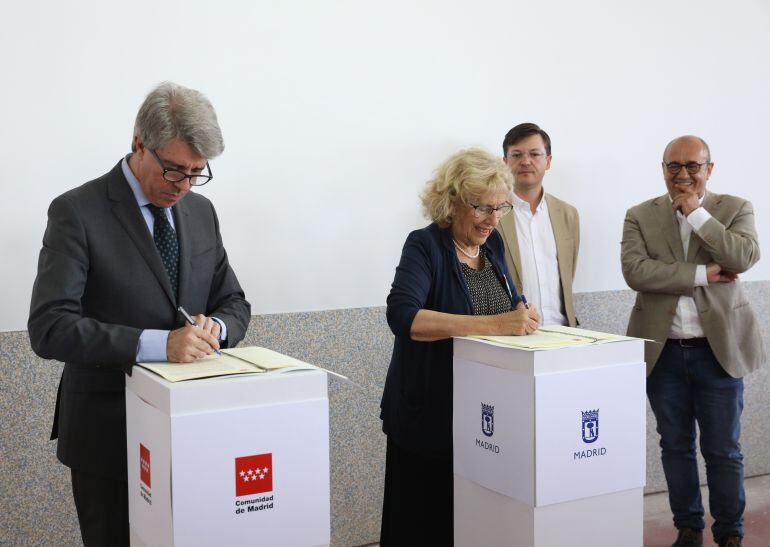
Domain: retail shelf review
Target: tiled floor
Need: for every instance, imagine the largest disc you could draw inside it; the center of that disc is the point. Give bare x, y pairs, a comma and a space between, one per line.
659, 530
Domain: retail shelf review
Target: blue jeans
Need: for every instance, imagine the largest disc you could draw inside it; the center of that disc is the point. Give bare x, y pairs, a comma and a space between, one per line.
688, 384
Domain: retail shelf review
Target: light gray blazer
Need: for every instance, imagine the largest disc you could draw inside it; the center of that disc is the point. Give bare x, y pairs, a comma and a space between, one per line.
654, 265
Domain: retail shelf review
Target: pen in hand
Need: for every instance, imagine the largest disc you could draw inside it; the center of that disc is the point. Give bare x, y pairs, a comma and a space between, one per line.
194, 323
526, 307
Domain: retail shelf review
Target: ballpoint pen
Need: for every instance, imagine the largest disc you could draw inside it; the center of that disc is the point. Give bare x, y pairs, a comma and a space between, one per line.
193, 322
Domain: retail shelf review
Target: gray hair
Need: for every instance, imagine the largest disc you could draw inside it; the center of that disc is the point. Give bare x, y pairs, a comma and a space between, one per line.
172, 111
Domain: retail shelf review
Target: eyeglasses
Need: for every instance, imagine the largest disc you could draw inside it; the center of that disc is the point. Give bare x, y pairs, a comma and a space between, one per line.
692, 166
175, 175
480, 211
536, 155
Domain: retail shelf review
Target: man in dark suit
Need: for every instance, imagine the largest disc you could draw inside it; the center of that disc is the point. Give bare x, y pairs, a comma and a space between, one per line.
120, 254
682, 252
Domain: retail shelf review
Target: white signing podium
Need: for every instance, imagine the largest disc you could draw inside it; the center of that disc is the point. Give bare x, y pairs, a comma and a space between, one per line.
549, 445
240, 460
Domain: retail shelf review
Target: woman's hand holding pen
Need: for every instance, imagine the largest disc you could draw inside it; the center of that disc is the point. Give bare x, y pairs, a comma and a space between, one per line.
518, 322
532, 310
193, 342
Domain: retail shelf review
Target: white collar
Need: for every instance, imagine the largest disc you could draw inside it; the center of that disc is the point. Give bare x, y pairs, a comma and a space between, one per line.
519, 203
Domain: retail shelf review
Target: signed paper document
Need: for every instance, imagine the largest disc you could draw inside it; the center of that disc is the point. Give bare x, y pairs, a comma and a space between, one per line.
245, 360
555, 336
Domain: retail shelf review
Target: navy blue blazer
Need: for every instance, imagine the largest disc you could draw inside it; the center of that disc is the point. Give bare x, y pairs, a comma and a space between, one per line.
416, 407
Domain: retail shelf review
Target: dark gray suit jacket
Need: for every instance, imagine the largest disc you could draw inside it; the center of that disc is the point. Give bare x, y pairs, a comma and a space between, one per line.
100, 283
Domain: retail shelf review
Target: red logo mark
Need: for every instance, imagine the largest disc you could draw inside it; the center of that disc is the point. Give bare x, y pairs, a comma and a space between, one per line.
144, 465
253, 474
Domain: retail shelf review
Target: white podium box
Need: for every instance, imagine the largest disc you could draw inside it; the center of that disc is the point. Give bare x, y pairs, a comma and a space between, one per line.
240, 460
549, 445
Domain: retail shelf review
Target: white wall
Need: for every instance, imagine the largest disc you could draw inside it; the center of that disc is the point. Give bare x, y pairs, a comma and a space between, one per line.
335, 113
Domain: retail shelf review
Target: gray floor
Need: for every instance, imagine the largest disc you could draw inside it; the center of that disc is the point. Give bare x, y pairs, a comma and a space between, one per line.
659, 530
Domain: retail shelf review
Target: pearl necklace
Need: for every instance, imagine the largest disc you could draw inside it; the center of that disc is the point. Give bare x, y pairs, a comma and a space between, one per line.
478, 250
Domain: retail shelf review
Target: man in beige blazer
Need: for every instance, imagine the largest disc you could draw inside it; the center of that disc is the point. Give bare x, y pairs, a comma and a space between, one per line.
682, 252
542, 235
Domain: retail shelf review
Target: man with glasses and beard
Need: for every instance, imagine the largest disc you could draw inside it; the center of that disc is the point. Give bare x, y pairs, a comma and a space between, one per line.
120, 255
682, 252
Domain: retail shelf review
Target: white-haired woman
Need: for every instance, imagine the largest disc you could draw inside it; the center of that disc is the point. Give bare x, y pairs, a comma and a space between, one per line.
451, 281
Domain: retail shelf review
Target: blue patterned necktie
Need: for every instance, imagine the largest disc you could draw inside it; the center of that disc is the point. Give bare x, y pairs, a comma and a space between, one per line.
168, 246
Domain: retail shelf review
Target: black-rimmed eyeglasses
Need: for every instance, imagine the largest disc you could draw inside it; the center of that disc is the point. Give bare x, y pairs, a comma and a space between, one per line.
175, 175
692, 166
486, 210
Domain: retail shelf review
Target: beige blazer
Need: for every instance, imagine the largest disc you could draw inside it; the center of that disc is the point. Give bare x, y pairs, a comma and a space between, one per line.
566, 231
654, 265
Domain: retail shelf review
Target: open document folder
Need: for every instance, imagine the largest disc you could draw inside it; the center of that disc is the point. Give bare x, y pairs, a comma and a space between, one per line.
232, 361
554, 336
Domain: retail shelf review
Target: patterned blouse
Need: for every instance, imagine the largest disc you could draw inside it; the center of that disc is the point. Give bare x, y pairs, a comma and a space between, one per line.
488, 294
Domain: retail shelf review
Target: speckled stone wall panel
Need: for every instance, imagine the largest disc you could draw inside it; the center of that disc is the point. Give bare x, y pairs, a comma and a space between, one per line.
37, 506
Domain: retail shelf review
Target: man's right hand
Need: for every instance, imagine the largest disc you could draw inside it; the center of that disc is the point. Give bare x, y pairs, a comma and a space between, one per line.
715, 274
188, 344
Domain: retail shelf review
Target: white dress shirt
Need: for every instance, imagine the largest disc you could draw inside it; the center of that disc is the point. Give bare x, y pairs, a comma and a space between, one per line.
686, 322
540, 279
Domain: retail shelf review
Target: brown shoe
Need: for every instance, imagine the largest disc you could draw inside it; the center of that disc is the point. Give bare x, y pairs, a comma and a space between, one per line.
730, 541
689, 538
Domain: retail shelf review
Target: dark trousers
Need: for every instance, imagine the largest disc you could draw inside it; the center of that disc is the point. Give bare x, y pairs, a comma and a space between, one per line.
688, 385
418, 504
102, 506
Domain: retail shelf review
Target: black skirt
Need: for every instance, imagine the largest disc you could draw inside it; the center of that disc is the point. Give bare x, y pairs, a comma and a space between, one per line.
418, 503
